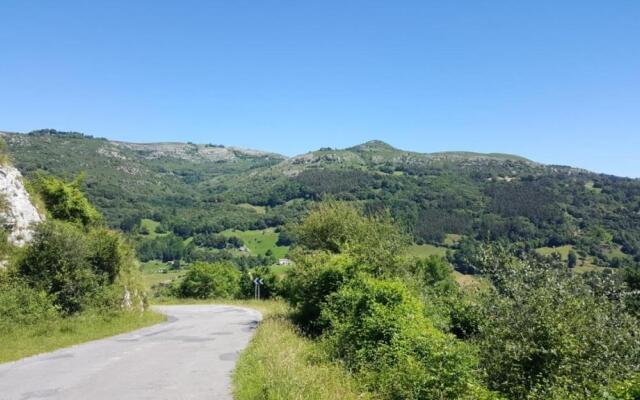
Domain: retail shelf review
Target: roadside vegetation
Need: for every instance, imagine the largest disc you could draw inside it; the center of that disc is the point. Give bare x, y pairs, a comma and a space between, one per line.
75, 281
57, 332
281, 364
442, 278
366, 320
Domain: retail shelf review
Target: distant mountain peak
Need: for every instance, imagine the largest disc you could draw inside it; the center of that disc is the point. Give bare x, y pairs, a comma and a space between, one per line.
373, 145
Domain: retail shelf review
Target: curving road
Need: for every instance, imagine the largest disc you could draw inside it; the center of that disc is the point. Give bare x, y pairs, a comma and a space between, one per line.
189, 357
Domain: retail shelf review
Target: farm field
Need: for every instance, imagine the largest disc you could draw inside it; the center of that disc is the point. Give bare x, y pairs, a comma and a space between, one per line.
584, 264
260, 241
426, 250
148, 228
151, 274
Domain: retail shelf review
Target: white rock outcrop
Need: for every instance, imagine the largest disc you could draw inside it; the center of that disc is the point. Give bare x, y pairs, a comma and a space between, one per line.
17, 214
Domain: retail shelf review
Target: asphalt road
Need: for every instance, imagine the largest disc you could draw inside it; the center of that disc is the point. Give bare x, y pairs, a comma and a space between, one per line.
189, 357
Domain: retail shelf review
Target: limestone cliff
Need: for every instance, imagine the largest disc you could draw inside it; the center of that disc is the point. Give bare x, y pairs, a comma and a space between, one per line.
17, 213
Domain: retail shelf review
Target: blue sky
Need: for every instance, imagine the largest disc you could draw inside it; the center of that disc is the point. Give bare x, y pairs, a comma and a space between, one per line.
555, 81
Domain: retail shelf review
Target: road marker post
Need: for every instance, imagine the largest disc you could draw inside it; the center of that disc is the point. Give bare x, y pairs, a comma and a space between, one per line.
257, 282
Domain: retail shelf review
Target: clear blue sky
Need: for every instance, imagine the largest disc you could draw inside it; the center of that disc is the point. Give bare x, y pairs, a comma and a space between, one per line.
556, 81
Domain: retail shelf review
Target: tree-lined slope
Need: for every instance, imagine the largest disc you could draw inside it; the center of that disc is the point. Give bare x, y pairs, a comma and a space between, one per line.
193, 189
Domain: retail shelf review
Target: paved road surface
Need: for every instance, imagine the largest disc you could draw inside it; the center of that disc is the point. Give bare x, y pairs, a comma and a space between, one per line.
189, 357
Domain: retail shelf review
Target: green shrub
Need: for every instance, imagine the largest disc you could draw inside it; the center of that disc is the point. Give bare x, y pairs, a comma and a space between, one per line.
268, 290
313, 278
109, 254
373, 242
65, 200
545, 334
329, 226
22, 305
626, 390
204, 280
57, 262
379, 330
75, 266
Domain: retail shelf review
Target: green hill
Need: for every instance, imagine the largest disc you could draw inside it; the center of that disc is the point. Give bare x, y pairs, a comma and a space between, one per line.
203, 188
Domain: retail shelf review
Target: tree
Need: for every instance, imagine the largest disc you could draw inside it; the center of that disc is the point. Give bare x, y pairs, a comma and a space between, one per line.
204, 281
374, 242
572, 259
329, 226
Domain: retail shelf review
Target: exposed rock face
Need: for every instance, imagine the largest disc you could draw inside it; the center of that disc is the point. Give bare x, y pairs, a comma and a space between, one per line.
17, 214
189, 151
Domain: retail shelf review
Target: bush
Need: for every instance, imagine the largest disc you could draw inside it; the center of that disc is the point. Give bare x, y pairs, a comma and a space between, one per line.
204, 281
74, 266
374, 242
545, 334
21, 305
379, 330
57, 262
313, 278
268, 290
433, 273
65, 200
626, 390
330, 226
109, 254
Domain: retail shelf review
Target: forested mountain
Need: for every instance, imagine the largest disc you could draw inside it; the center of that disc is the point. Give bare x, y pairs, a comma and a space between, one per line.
451, 198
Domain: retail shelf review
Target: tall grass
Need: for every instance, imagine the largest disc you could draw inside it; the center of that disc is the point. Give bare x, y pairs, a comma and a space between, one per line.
50, 335
280, 364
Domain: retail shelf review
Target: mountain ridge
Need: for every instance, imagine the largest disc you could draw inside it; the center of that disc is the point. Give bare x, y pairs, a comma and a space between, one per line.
218, 152
194, 189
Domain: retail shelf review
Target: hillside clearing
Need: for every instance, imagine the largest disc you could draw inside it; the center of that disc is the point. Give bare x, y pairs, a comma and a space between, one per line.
260, 241
426, 250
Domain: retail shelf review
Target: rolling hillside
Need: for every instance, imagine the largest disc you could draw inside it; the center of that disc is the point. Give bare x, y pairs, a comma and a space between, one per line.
201, 189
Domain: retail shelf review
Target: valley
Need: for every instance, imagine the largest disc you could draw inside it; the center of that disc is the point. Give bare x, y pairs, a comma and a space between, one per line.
381, 273
181, 190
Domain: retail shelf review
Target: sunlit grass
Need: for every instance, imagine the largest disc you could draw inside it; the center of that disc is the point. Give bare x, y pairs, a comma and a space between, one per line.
260, 241
51, 335
426, 250
280, 364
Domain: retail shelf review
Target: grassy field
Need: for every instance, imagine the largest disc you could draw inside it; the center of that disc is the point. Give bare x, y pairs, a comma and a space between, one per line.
451, 238
562, 250
584, 264
52, 335
426, 250
258, 209
150, 226
258, 242
280, 364
151, 275
280, 270
471, 281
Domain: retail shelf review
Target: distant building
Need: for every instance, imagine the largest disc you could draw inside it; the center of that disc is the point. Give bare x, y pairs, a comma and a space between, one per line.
284, 261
